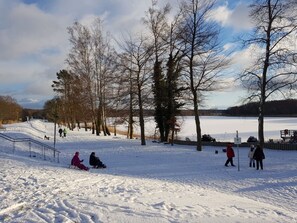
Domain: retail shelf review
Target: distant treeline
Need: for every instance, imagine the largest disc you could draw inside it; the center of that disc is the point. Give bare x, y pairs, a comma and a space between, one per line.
272, 108
11, 111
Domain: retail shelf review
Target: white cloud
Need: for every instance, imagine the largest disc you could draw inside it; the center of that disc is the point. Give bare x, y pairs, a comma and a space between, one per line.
244, 58
237, 18
221, 15
229, 46
34, 39
30, 31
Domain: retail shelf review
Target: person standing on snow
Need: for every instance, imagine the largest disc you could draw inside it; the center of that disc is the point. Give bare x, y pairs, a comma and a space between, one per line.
60, 132
259, 156
64, 131
230, 154
251, 156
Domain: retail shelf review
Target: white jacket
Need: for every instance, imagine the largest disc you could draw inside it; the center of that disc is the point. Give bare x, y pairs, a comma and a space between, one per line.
251, 154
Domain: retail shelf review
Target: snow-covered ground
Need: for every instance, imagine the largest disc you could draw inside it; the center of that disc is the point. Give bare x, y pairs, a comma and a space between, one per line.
152, 183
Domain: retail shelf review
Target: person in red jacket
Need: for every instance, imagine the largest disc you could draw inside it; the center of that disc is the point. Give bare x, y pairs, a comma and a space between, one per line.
230, 155
77, 162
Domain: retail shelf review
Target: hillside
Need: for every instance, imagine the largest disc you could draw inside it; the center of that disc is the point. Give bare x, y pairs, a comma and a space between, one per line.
153, 183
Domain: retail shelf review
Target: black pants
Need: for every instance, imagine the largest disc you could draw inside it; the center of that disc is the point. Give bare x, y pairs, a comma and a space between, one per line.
252, 162
99, 164
259, 163
229, 160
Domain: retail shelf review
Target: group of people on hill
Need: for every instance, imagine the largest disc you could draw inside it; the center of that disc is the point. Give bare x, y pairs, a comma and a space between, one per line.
62, 132
255, 154
94, 161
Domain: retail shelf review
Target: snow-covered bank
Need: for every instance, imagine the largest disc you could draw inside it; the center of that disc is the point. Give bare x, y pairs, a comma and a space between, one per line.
153, 183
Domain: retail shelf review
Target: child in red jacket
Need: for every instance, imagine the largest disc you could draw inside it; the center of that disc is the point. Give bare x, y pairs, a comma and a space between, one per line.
230, 155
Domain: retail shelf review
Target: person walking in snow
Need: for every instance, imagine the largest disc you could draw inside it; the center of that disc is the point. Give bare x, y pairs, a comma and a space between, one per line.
64, 132
259, 156
230, 154
95, 161
251, 156
78, 163
60, 132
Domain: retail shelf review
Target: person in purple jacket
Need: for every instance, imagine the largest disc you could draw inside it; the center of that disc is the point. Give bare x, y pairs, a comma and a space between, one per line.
78, 163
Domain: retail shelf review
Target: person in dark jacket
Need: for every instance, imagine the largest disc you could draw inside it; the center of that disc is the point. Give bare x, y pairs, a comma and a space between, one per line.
78, 163
230, 154
259, 156
60, 132
95, 161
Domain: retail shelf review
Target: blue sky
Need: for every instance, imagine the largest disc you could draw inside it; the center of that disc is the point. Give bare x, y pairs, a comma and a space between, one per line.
34, 41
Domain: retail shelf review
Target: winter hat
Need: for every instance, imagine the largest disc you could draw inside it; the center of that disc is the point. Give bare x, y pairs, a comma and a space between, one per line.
76, 153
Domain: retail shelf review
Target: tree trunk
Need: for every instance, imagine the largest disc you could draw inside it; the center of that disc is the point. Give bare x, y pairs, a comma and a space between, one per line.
141, 118
130, 124
261, 128
86, 126
197, 122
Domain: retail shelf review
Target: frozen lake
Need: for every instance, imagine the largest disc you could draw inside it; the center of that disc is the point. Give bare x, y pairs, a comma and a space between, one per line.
224, 128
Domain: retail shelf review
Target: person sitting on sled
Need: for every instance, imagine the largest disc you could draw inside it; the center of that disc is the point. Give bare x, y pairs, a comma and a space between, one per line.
95, 161
78, 163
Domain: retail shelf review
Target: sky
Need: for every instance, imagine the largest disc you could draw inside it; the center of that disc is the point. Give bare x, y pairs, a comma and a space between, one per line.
34, 41
156, 183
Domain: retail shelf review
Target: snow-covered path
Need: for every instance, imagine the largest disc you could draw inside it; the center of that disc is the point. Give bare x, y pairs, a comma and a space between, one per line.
153, 183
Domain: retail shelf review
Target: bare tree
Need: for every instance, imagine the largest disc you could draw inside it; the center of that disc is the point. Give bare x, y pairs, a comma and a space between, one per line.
203, 62
138, 54
81, 63
274, 69
127, 91
103, 68
90, 59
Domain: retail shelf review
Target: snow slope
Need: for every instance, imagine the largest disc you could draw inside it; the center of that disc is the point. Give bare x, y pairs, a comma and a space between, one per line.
152, 183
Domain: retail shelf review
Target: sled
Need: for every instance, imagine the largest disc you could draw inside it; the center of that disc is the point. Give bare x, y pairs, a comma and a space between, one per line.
97, 168
73, 167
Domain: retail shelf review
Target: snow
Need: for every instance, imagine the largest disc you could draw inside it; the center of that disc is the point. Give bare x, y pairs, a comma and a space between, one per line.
152, 183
